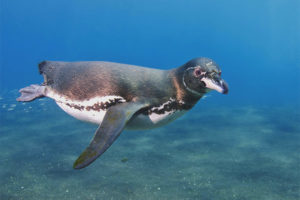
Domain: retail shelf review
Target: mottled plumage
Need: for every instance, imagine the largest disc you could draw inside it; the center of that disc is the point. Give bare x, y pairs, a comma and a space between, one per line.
118, 96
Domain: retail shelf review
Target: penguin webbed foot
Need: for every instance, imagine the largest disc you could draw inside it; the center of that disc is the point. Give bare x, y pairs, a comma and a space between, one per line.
31, 93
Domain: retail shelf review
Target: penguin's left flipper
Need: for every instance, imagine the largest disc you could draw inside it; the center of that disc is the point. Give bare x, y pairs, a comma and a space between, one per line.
111, 127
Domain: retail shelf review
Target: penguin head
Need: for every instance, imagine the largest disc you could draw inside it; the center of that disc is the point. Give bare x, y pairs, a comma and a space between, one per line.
202, 75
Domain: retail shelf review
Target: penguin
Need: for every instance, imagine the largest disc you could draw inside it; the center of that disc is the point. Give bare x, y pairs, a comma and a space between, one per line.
120, 96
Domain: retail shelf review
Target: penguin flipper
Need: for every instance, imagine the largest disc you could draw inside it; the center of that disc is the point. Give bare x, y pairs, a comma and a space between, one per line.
111, 127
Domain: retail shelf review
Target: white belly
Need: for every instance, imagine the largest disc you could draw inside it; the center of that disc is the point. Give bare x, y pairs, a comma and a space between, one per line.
89, 111
92, 110
91, 116
138, 122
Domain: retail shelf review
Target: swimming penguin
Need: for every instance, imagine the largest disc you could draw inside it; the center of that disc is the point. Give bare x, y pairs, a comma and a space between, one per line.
117, 96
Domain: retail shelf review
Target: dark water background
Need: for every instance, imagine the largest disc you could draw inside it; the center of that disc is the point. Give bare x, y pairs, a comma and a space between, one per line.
244, 145
255, 42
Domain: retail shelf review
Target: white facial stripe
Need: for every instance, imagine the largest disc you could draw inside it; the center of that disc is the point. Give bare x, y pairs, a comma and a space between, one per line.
211, 85
192, 91
210, 63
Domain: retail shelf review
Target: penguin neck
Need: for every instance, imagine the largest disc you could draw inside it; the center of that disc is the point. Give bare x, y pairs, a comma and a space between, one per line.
182, 94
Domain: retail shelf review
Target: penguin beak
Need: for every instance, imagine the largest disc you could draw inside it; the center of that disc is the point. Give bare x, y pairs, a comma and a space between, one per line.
216, 83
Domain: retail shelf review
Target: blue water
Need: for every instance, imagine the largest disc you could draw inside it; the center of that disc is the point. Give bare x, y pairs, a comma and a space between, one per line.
244, 145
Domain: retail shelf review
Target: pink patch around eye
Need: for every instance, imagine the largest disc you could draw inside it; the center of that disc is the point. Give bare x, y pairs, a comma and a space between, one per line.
197, 72
220, 73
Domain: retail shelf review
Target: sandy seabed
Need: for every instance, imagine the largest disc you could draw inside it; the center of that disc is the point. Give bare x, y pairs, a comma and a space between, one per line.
238, 152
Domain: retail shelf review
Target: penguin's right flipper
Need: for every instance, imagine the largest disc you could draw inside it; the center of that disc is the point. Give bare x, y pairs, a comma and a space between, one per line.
31, 92
111, 127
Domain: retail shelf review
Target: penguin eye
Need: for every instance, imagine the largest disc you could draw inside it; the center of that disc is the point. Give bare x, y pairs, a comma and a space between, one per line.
197, 72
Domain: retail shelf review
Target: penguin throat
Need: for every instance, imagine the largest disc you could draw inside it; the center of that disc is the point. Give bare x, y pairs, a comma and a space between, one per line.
200, 94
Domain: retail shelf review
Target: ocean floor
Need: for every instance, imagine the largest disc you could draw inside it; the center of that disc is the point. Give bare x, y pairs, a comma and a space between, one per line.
238, 152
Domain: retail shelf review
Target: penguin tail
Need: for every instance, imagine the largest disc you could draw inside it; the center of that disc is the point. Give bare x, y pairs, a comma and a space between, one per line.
42, 66
48, 69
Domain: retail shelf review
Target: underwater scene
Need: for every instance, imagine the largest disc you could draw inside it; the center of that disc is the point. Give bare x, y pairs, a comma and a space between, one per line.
244, 145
